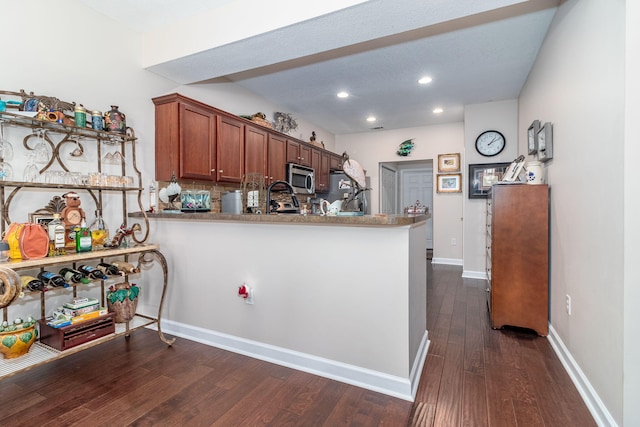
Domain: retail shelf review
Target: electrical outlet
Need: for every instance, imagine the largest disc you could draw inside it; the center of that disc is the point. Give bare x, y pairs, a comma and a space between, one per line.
568, 304
454, 241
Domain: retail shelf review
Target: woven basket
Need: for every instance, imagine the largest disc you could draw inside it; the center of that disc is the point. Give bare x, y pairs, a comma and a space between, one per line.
124, 310
262, 122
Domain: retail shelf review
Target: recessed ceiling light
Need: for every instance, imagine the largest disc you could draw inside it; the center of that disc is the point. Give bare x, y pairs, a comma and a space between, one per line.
342, 95
371, 119
425, 80
437, 110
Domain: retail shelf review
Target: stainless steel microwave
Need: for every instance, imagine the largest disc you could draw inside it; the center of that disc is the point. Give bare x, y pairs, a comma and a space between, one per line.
301, 178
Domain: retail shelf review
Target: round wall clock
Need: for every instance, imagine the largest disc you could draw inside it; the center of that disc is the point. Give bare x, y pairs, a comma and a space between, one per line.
490, 143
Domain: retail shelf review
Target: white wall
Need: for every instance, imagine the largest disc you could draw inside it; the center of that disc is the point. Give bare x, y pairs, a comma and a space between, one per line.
372, 148
631, 367
503, 117
577, 83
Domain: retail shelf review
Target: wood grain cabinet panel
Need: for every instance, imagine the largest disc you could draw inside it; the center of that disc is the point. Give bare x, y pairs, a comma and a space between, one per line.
230, 149
197, 143
518, 256
255, 151
277, 158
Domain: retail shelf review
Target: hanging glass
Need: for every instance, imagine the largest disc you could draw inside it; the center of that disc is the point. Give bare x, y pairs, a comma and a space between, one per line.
6, 149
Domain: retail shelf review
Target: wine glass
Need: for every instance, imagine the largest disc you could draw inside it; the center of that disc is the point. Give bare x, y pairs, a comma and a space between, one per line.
40, 150
6, 149
31, 171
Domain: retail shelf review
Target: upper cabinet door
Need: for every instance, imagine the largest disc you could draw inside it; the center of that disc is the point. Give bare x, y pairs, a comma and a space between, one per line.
277, 158
255, 151
197, 143
298, 153
230, 150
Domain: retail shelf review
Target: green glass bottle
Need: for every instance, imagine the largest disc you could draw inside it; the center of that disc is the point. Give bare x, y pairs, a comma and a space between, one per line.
83, 238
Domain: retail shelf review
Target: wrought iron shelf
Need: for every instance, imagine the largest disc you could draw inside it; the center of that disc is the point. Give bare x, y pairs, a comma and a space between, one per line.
20, 119
24, 184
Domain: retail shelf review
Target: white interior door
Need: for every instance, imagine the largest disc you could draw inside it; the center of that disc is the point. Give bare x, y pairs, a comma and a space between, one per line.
388, 193
417, 186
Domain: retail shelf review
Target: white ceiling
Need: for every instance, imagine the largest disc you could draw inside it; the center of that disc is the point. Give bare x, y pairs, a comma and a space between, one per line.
475, 52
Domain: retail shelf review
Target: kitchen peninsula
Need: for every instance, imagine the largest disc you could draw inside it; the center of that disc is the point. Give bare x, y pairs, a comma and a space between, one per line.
341, 297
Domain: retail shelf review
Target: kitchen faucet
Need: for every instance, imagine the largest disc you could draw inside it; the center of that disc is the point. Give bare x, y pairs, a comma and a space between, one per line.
272, 206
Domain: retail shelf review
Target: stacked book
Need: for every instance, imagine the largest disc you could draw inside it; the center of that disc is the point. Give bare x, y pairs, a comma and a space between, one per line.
76, 311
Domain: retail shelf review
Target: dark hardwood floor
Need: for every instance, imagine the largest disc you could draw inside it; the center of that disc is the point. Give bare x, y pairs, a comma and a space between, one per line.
474, 376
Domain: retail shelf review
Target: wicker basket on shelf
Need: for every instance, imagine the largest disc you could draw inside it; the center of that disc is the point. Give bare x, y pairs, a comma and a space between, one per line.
122, 299
262, 122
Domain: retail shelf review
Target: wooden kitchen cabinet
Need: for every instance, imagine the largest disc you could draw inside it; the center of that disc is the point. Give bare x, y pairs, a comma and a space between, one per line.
518, 256
197, 151
320, 163
335, 162
277, 156
229, 149
256, 151
298, 153
196, 141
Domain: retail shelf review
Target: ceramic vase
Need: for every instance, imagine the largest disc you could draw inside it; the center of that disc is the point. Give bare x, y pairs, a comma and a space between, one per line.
114, 120
17, 343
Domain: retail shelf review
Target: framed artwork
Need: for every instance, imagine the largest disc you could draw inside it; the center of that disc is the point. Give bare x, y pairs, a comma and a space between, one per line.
449, 162
449, 183
532, 137
545, 142
41, 218
483, 176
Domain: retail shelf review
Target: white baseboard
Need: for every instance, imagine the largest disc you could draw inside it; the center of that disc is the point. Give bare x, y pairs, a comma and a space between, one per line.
597, 408
448, 261
467, 274
403, 388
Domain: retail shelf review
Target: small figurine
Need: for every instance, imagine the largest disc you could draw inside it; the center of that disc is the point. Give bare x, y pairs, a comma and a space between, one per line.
72, 214
313, 136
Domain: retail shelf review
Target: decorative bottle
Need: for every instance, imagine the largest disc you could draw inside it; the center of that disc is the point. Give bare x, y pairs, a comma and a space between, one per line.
99, 231
126, 267
83, 238
92, 272
33, 284
56, 236
114, 120
108, 269
52, 279
75, 276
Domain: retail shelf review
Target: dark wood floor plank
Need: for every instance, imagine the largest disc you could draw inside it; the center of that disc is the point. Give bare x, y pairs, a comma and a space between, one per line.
473, 344
430, 380
499, 399
474, 401
527, 413
449, 404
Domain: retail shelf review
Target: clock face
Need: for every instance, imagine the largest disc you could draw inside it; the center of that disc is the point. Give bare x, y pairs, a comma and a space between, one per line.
73, 217
490, 143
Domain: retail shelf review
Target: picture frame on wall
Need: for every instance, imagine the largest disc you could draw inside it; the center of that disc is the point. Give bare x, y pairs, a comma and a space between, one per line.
449, 162
449, 183
483, 176
545, 142
41, 218
532, 137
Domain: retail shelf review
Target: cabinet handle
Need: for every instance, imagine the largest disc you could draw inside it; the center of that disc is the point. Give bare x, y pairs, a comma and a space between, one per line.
488, 290
213, 170
220, 171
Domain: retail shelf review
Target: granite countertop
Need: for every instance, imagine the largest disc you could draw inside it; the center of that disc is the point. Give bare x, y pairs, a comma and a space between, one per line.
364, 221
